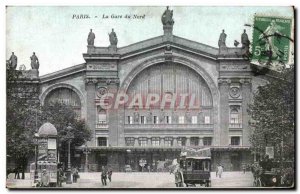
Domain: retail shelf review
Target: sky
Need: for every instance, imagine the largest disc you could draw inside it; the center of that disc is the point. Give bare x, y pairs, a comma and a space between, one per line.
59, 40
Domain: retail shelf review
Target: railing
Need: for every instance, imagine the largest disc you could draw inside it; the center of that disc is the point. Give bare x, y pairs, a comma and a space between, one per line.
235, 125
101, 126
168, 126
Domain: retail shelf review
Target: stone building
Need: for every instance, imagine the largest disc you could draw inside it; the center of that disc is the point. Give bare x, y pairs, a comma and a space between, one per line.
219, 80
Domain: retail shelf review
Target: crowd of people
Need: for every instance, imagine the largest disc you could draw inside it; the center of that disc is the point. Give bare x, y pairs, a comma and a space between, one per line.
106, 173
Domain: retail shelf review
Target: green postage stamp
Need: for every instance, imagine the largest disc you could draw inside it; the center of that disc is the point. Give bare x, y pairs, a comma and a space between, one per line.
271, 39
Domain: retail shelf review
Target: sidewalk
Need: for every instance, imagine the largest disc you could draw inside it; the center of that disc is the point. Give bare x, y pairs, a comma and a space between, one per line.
142, 180
125, 180
232, 180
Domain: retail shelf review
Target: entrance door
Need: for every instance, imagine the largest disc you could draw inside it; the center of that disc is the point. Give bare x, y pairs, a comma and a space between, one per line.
101, 161
236, 161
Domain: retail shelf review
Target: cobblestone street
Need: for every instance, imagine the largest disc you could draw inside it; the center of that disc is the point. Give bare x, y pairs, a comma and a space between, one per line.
143, 180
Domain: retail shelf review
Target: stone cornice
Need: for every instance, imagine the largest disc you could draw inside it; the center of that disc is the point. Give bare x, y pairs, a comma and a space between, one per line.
245, 80
107, 81
63, 73
224, 80
230, 80
148, 45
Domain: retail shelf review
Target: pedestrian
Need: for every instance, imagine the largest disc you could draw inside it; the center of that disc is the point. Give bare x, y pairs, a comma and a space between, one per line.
60, 176
104, 176
148, 168
75, 175
217, 168
178, 176
244, 168
109, 175
17, 173
220, 171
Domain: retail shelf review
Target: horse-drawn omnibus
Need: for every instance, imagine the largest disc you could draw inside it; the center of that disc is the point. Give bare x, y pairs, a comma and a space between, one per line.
194, 168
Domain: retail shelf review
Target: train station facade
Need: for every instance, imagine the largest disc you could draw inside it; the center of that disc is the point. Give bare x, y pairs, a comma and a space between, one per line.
147, 101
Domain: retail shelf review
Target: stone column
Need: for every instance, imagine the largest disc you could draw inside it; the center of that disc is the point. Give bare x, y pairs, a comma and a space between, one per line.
221, 136
246, 95
91, 108
200, 141
188, 141
136, 142
149, 142
116, 132
162, 142
241, 140
175, 142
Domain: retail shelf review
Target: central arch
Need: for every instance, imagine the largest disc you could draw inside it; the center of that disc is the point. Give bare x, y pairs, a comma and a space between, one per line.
125, 84
178, 60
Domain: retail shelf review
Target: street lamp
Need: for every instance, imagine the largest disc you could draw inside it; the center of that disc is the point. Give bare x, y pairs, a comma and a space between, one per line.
35, 139
86, 151
69, 137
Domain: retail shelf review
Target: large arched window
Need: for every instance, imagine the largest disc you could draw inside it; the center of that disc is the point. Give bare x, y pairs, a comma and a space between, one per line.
171, 79
65, 96
178, 90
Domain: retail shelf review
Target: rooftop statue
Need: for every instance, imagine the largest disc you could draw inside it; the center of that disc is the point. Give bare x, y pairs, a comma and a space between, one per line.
167, 17
222, 39
245, 40
113, 38
34, 62
13, 61
91, 38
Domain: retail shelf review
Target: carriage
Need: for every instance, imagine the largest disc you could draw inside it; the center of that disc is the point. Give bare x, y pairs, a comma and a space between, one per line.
275, 176
266, 178
194, 168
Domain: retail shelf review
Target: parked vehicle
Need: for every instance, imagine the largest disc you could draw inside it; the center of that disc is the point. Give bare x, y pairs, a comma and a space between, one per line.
273, 177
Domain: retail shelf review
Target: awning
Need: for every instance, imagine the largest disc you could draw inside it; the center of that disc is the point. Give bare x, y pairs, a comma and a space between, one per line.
231, 148
129, 149
199, 158
134, 149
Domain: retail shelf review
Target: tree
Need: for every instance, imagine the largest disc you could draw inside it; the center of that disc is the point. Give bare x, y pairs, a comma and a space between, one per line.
61, 115
272, 112
25, 116
21, 99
